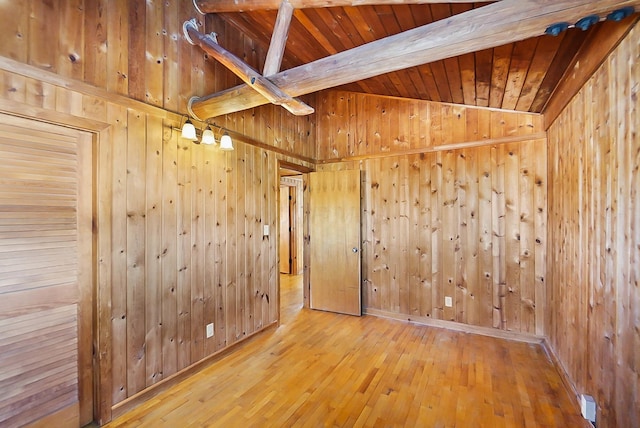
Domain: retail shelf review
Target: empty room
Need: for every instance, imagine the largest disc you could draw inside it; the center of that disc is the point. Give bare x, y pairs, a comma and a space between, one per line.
279, 213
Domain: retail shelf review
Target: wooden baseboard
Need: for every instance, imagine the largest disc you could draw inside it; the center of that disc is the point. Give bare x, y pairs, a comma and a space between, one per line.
567, 381
564, 375
135, 400
464, 328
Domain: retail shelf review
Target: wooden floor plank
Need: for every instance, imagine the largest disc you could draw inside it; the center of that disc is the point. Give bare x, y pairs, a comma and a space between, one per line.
326, 369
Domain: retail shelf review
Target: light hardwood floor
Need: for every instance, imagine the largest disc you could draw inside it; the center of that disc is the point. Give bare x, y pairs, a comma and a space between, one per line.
322, 369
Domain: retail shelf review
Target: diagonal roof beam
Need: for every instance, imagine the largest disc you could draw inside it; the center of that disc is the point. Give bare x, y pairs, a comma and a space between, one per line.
219, 6
263, 86
493, 25
278, 39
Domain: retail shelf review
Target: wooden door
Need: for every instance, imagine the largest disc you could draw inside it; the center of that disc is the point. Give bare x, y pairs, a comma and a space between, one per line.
285, 230
334, 241
46, 274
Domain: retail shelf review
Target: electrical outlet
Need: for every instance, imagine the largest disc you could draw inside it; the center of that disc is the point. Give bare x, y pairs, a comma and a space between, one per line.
448, 301
265, 230
588, 407
209, 330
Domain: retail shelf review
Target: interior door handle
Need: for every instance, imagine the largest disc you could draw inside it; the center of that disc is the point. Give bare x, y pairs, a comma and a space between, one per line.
354, 249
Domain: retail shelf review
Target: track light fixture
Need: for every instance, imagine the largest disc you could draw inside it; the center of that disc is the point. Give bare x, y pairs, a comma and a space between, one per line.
620, 14
589, 21
207, 137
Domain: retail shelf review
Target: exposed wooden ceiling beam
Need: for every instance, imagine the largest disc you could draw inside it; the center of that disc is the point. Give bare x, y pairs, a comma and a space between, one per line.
278, 39
219, 6
263, 86
489, 26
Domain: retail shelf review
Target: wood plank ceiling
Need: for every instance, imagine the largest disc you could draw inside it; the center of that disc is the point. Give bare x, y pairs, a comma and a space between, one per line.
518, 76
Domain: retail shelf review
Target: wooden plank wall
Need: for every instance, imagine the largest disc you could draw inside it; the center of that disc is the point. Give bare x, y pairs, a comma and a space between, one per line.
594, 237
183, 231
468, 223
136, 49
187, 248
358, 126
179, 225
133, 48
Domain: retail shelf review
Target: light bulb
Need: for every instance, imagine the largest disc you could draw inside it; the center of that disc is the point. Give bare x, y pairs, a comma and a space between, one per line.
189, 131
225, 142
207, 137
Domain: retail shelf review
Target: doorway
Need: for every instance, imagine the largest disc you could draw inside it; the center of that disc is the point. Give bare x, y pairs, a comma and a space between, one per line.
329, 238
291, 222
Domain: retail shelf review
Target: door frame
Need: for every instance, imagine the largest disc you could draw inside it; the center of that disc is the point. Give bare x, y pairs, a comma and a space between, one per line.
99, 296
291, 239
304, 171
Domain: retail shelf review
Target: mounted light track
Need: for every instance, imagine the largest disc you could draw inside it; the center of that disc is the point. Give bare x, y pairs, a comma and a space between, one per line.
189, 132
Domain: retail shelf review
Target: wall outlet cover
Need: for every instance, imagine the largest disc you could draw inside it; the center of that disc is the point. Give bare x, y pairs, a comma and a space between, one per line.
588, 407
448, 301
209, 330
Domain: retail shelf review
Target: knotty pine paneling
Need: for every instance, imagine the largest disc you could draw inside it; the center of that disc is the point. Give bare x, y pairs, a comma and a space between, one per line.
468, 224
178, 232
277, 128
137, 49
191, 219
594, 237
351, 124
133, 48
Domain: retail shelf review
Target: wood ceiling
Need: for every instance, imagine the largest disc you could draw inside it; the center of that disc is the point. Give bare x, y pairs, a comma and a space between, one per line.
517, 76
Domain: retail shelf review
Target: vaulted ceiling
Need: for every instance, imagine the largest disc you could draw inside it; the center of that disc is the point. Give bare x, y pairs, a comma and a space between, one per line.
515, 76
